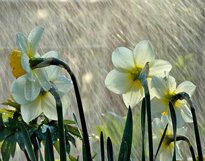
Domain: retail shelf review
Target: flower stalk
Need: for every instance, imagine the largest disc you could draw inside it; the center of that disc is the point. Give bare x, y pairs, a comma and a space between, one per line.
143, 79
53, 90
196, 129
62, 64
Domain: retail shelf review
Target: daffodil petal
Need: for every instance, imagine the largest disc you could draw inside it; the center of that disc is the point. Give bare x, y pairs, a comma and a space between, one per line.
185, 111
159, 68
30, 76
166, 153
179, 117
65, 104
155, 144
123, 58
52, 70
152, 94
63, 85
22, 43
157, 127
17, 90
34, 39
32, 90
144, 53
118, 82
172, 84
42, 77
187, 87
134, 95
49, 106
31, 110
178, 154
159, 87
25, 62
159, 105
182, 131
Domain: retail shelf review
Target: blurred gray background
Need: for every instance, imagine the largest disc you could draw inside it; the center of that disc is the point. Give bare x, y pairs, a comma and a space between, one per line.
86, 32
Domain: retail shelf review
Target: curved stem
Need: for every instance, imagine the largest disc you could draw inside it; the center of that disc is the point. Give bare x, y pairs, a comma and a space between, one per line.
196, 129
58, 62
61, 131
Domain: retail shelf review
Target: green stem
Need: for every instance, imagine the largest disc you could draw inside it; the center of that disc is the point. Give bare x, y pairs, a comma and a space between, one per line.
143, 79
196, 129
184, 138
58, 62
149, 122
61, 131
143, 116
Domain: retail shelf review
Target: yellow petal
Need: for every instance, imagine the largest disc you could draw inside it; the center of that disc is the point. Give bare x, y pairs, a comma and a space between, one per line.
15, 63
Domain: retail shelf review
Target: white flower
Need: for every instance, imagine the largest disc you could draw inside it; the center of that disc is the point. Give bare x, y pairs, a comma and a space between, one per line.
125, 78
19, 60
44, 102
165, 90
167, 147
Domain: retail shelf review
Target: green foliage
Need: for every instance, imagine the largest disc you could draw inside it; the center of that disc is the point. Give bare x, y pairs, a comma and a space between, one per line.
113, 127
10, 132
126, 144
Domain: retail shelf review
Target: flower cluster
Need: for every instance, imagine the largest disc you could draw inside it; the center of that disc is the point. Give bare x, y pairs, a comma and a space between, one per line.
31, 87
125, 80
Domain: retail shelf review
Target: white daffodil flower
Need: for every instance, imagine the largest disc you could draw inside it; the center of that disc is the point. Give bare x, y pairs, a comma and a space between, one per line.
44, 102
19, 61
129, 64
167, 147
165, 90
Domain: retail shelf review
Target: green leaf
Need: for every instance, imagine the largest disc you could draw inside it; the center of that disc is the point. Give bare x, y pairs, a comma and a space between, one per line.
72, 158
49, 155
174, 123
8, 147
76, 122
57, 146
143, 117
109, 150
73, 130
4, 133
1, 122
67, 145
66, 122
93, 157
102, 147
71, 139
83, 143
126, 145
161, 141
27, 142
53, 131
20, 140
12, 104
39, 150
1, 144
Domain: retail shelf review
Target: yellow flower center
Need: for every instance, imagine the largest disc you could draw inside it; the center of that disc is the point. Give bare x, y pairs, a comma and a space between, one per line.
165, 112
135, 73
15, 63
